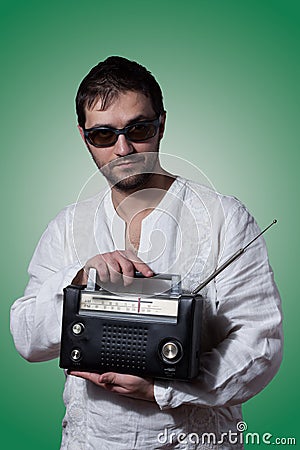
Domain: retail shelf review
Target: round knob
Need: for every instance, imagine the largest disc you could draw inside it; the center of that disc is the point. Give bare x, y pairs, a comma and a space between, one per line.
170, 350
75, 354
77, 328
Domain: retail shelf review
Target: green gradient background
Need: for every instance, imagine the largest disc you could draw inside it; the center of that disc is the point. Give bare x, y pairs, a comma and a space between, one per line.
230, 76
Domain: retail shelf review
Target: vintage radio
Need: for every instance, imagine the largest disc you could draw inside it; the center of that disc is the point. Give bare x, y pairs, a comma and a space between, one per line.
151, 328
155, 332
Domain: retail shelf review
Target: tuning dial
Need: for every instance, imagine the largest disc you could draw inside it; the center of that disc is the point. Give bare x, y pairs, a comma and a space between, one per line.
75, 354
171, 351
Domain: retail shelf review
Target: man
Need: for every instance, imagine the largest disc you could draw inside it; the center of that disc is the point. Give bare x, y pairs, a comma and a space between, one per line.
152, 221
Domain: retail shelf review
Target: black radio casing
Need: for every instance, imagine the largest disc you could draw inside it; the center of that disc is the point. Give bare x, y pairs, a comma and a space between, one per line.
131, 343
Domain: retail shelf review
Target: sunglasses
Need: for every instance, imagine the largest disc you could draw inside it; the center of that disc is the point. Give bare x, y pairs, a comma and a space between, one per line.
107, 136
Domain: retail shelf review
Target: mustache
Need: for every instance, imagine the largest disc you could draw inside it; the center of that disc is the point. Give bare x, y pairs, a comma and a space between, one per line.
125, 160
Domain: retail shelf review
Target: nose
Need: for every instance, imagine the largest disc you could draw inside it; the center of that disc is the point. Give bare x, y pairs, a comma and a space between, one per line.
123, 147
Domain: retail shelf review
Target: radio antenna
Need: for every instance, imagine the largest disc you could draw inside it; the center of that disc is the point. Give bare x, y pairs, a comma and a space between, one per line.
230, 260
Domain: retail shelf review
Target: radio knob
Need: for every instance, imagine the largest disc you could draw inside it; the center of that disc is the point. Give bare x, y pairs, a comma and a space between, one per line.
75, 354
170, 350
77, 328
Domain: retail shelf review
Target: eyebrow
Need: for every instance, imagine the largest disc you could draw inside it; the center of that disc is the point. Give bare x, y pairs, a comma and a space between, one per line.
136, 119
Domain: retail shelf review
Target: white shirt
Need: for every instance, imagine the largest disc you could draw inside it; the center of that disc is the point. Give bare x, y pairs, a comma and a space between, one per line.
192, 232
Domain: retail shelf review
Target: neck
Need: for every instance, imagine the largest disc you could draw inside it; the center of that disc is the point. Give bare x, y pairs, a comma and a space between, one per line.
142, 200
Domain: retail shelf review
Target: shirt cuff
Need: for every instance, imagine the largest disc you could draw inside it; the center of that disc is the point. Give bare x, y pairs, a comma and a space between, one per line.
163, 394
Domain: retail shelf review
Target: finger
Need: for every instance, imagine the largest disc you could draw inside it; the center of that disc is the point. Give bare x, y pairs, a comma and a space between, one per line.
121, 267
117, 389
128, 263
102, 269
115, 382
119, 379
139, 265
129, 385
109, 378
94, 377
127, 269
113, 267
100, 265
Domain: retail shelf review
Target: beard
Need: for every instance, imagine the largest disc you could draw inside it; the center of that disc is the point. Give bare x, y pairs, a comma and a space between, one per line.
141, 167
130, 182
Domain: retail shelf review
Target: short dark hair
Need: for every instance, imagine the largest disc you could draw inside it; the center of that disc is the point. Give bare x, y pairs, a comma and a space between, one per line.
109, 78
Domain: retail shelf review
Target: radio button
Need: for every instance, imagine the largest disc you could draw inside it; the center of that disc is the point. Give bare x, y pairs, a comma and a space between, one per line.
170, 351
75, 354
77, 328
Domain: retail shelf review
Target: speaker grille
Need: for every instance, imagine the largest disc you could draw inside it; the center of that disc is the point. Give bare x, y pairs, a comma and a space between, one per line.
123, 347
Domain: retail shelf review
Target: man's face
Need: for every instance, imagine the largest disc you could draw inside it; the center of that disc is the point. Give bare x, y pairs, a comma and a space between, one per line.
126, 165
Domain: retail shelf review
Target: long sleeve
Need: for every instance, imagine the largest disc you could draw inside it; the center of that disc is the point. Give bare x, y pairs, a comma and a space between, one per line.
248, 319
36, 317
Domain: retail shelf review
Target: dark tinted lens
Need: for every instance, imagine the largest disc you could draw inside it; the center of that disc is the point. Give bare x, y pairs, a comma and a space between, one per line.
102, 137
141, 132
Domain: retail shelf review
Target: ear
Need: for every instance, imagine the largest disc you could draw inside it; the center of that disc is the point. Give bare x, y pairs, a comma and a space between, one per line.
162, 125
81, 132
83, 136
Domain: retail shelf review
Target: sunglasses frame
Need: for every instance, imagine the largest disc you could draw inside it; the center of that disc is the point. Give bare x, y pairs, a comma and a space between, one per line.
117, 131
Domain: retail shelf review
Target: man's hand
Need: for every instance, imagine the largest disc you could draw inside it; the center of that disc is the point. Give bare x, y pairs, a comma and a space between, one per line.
127, 385
112, 267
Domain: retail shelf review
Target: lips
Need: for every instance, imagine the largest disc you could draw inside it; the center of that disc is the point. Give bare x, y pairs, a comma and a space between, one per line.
124, 161
129, 163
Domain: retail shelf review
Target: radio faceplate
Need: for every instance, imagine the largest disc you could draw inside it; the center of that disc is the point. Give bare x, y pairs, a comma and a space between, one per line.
132, 304
156, 336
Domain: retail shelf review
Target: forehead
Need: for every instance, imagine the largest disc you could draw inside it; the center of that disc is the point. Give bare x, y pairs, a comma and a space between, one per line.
123, 109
